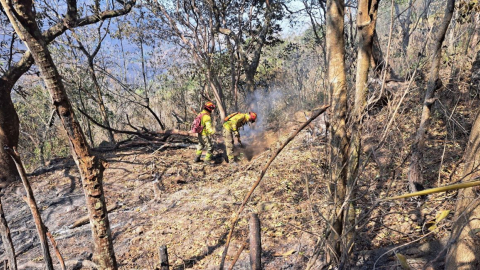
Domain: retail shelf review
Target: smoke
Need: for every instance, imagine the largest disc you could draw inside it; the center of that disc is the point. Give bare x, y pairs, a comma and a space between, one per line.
257, 137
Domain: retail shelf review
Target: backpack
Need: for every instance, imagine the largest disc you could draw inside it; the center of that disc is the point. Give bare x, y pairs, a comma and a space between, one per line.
197, 124
230, 116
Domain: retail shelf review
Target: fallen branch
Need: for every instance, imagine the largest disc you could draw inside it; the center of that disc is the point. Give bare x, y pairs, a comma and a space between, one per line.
57, 252
140, 134
150, 135
435, 190
237, 255
174, 145
85, 219
247, 197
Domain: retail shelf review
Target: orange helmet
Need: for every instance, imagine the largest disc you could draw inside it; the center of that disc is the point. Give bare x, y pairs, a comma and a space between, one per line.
209, 106
253, 117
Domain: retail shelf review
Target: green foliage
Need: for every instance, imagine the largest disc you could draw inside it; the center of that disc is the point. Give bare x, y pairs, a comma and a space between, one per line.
466, 9
38, 142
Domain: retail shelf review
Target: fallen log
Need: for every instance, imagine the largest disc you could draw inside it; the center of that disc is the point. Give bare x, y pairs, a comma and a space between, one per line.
84, 220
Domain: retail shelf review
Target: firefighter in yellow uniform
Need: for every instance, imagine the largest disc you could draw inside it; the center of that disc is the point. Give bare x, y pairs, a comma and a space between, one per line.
205, 137
230, 128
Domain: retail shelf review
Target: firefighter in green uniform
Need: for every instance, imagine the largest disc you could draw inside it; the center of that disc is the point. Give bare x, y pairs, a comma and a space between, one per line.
230, 128
205, 136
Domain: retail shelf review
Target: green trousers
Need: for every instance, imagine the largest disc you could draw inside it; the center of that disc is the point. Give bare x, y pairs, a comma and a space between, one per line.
228, 139
205, 142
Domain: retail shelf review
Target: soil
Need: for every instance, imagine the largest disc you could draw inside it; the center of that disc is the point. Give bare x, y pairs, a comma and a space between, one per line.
165, 198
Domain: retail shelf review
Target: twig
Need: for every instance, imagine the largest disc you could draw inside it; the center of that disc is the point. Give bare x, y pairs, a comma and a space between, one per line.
435, 190
7, 242
441, 161
239, 252
454, 169
247, 197
57, 252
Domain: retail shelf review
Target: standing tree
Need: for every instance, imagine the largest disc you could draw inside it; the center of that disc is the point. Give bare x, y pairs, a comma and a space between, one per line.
98, 97
338, 141
9, 124
191, 25
366, 22
246, 27
463, 253
22, 18
250, 32
415, 178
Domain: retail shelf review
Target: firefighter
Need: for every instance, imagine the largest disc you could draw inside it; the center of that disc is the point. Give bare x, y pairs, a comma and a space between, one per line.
205, 136
230, 128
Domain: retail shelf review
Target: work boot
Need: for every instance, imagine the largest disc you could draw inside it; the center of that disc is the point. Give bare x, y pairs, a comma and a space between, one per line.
209, 162
197, 159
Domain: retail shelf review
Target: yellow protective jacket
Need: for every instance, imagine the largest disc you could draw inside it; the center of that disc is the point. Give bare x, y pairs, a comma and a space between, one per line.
207, 125
236, 122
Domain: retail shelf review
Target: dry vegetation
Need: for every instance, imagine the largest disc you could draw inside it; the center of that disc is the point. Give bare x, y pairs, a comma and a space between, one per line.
190, 206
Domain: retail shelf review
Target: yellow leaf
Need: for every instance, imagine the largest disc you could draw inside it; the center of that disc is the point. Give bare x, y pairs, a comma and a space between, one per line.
288, 253
441, 215
403, 261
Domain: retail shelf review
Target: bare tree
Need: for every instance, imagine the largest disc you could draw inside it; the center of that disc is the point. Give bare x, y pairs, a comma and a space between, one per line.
191, 23
415, 177
463, 253
366, 22
9, 123
339, 141
243, 24
91, 69
91, 168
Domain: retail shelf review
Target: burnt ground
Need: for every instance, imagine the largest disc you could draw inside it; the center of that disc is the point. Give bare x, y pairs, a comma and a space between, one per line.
164, 198
188, 208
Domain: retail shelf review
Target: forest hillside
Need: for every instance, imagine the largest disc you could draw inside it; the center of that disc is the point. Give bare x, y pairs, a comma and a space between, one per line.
354, 127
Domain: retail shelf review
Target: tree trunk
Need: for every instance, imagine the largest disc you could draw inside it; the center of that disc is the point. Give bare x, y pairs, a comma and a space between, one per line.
9, 132
475, 77
91, 168
100, 102
233, 74
217, 91
464, 252
250, 82
339, 142
378, 61
30, 200
366, 21
405, 25
9, 124
415, 178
